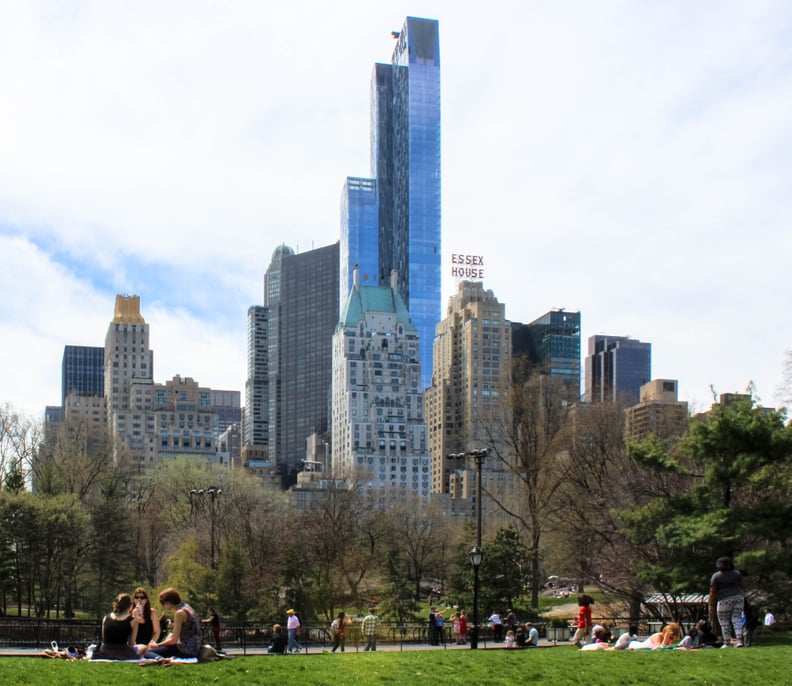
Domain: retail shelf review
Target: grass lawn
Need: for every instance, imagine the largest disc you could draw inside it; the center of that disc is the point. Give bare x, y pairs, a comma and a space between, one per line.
557, 666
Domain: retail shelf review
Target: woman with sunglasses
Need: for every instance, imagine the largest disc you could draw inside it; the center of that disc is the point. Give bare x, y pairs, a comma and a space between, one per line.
147, 618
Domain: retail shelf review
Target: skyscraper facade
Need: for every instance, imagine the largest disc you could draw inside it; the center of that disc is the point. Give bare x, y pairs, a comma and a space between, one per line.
551, 343
378, 414
256, 424
472, 364
301, 295
82, 371
405, 160
616, 368
359, 241
128, 376
151, 420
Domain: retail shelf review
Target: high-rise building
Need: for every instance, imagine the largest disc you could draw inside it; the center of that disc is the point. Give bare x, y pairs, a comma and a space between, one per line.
659, 411
551, 344
377, 409
359, 242
470, 382
405, 161
301, 295
616, 368
227, 408
256, 424
151, 420
82, 371
128, 377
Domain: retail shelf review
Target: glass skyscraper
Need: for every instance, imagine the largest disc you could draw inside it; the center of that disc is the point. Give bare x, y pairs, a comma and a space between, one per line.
552, 344
82, 371
405, 161
616, 368
358, 245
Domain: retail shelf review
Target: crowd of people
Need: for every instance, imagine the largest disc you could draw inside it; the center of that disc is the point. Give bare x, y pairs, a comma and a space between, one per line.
134, 629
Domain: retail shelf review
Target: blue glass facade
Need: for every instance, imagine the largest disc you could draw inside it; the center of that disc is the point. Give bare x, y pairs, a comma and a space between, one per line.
616, 368
405, 159
82, 371
359, 244
552, 343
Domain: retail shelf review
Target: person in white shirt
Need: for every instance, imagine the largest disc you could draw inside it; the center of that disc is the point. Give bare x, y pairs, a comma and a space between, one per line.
769, 619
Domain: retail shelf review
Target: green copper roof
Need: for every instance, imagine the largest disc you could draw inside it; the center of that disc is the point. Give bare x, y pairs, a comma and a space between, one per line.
363, 299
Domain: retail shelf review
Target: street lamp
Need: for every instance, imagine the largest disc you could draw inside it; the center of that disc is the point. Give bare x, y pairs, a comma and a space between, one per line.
475, 553
212, 492
475, 560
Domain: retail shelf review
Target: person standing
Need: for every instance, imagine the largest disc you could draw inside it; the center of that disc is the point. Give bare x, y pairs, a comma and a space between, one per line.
293, 631
496, 624
726, 597
369, 629
338, 629
433, 633
769, 618
584, 622
214, 620
463, 627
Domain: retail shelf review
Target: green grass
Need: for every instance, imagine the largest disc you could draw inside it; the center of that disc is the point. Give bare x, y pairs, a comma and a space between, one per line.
557, 666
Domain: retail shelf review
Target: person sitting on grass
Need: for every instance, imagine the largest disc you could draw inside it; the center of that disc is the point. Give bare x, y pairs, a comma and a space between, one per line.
184, 640
279, 641
119, 631
532, 638
601, 640
691, 641
662, 639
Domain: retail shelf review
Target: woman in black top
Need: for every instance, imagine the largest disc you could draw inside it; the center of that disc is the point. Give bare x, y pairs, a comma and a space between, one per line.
147, 618
119, 631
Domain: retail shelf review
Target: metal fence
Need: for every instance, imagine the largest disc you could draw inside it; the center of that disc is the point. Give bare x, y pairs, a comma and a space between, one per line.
256, 637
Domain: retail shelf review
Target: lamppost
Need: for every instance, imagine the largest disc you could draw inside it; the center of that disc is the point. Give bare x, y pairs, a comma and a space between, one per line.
212, 492
475, 553
475, 559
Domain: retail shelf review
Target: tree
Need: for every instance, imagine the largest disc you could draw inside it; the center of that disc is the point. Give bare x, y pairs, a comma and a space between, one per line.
737, 464
526, 438
20, 439
503, 567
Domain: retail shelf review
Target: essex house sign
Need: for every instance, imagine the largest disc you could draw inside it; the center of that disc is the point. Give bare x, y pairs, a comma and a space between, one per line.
467, 266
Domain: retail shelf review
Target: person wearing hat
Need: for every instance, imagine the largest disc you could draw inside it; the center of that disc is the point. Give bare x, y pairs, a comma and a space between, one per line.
369, 628
532, 639
293, 630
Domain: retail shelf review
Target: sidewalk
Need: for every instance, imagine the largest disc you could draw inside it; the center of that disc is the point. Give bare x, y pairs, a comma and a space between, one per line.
317, 650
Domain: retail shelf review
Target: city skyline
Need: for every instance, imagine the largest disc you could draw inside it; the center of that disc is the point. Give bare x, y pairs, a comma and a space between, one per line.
580, 143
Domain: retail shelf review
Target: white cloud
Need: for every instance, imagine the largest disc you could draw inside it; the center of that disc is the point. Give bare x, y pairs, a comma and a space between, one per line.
628, 159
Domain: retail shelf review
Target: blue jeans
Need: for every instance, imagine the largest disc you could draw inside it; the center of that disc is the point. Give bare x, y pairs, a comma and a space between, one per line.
293, 644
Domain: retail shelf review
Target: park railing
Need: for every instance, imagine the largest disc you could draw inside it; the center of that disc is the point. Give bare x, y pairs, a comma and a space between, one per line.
21, 632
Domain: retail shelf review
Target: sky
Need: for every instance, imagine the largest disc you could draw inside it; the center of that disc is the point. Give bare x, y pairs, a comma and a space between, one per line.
630, 160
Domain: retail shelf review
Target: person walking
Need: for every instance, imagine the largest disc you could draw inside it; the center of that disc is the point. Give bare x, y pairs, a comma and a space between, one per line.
369, 629
584, 623
293, 631
727, 599
338, 629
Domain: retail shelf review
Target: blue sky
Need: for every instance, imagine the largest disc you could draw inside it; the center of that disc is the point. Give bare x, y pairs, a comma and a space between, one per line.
628, 159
